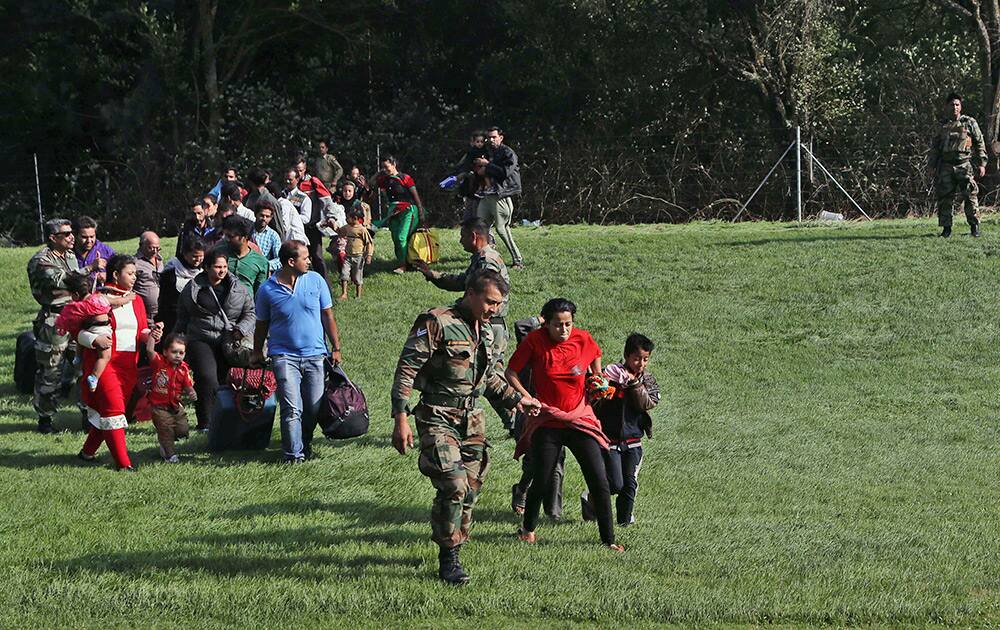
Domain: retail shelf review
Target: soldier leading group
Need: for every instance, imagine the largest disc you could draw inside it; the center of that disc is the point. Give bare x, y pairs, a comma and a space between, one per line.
449, 357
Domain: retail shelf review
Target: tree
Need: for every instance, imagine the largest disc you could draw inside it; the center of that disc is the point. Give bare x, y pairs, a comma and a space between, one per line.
983, 20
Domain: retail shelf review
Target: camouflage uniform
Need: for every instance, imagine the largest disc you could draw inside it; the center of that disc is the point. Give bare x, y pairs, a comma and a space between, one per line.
47, 272
488, 259
957, 152
451, 363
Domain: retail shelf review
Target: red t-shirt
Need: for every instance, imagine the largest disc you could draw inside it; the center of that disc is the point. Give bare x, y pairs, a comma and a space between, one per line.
558, 370
168, 381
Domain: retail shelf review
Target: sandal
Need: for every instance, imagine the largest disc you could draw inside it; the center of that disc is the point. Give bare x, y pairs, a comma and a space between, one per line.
616, 547
528, 537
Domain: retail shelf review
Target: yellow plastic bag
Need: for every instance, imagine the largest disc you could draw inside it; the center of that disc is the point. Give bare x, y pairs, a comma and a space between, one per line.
423, 246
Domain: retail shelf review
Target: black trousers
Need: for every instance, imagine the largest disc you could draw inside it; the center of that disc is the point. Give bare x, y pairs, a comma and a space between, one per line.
209, 368
316, 250
552, 499
623, 478
545, 447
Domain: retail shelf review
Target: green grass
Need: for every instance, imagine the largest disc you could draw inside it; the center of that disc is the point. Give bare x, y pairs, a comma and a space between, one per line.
825, 454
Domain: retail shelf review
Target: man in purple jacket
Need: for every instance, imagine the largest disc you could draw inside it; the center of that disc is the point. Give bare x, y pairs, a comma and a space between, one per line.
88, 248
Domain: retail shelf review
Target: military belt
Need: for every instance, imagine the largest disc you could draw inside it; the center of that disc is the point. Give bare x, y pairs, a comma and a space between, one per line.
447, 400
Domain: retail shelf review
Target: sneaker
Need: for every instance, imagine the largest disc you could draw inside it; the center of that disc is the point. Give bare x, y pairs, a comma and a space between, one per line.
173, 459
586, 510
518, 265
90, 459
45, 425
128, 469
92, 383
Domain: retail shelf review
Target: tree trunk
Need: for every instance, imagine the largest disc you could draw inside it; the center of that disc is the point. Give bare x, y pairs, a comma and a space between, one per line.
983, 16
210, 74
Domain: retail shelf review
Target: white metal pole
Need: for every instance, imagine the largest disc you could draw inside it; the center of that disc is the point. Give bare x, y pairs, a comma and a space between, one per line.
834, 180
798, 170
38, 191
762, 182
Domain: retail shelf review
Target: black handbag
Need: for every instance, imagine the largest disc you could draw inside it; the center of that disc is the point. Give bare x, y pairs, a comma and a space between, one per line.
236, 352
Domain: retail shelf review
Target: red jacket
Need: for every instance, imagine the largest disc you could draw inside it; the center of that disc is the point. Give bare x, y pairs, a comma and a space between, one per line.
316, 190
168, 382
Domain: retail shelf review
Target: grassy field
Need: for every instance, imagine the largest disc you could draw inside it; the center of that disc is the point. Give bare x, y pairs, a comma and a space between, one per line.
826, 454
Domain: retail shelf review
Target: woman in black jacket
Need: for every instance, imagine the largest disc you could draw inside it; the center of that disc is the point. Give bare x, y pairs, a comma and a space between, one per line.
211, 304
176, 274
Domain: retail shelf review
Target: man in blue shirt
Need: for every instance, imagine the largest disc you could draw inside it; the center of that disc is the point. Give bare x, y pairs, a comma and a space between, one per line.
294, 309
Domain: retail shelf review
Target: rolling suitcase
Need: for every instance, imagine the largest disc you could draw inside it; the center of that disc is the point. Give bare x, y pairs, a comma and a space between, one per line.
244, 411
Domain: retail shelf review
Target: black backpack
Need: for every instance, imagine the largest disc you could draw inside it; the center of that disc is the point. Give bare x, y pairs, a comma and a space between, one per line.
343, 411
24, 363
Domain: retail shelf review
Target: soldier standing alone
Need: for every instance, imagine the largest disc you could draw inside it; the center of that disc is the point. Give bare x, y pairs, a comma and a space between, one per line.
448, 357
957, 155
47, 274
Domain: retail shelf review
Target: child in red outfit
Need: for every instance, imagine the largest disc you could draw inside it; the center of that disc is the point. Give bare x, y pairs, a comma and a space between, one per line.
171, 378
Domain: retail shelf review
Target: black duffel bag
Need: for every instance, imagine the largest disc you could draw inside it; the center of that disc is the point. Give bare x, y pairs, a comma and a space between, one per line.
343, 411
24, 363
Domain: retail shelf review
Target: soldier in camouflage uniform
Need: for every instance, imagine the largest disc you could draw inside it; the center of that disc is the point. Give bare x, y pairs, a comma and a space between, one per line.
957, 155
474, 238
448, 357
47, 273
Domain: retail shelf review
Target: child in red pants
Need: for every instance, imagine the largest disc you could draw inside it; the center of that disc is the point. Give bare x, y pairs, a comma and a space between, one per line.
171, 378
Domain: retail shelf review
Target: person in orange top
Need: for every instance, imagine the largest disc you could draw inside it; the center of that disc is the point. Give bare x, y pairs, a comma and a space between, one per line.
560, 357
171, 378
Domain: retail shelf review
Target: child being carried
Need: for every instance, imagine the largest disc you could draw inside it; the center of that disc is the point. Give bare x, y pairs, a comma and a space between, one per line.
91, 312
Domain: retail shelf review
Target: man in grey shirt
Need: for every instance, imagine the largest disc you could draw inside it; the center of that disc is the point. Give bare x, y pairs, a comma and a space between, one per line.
148, 266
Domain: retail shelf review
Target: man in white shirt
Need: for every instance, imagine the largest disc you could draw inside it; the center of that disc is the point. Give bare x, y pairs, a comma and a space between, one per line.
299, 199
232, 192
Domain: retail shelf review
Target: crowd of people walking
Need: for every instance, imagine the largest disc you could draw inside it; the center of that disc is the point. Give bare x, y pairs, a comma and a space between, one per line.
248, 286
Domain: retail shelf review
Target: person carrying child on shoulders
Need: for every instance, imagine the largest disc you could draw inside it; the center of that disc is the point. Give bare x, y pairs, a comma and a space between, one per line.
625, 418
171, 379
358, 251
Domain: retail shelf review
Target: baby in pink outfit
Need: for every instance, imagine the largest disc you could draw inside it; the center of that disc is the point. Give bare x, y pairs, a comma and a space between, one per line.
88, 311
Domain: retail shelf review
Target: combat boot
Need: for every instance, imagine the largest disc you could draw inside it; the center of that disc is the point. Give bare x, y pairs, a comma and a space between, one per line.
450, 569
974, 230
946, 232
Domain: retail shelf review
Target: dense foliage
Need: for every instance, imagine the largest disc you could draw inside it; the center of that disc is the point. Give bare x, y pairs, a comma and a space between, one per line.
621, 110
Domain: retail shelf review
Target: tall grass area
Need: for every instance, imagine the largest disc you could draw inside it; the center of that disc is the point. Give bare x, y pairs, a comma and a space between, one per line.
826, 453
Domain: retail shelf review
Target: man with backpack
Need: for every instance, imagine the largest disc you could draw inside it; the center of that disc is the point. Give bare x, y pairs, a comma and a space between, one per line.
321, 199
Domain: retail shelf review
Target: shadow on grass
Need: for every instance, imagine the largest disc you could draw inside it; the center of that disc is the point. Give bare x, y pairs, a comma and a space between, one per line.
365, 512
23, 425
809, 238
240, 560
30, 460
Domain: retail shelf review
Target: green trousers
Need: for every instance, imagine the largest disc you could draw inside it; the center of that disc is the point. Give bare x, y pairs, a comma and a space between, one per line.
401, 227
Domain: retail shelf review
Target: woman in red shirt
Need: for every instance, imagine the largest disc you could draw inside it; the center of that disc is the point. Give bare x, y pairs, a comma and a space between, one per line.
560, 357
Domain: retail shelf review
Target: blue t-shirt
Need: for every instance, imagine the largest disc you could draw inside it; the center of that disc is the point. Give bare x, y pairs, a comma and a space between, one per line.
295, 327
